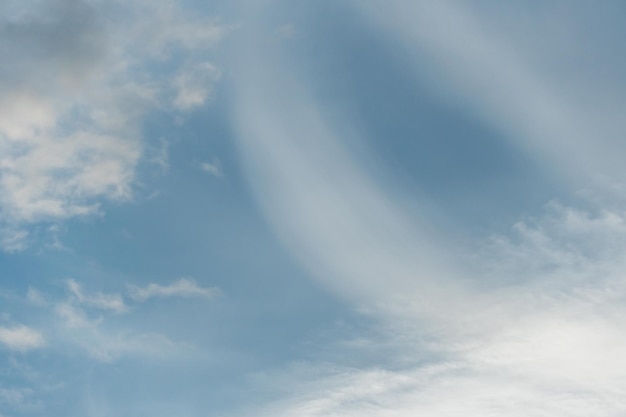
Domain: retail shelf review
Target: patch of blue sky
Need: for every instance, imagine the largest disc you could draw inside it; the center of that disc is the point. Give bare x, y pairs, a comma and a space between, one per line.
184, 222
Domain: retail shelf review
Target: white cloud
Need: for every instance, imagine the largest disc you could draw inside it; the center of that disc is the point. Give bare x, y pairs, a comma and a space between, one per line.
515, 72
98, 300
540, 364
73, 316
21, 338
214, 167
184, 287
71, 108
194, 85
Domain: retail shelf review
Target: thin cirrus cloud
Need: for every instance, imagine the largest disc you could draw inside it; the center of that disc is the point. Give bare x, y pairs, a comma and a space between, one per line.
524, 322
111, 302
72, 107
213, 168
523, 83
184, 287
88, 322
97, 339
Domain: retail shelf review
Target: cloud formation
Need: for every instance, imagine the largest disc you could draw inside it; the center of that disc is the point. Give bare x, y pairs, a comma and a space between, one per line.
21, 338
214, 167
111, 302
524, 322
84, 321
184, 287
71, 107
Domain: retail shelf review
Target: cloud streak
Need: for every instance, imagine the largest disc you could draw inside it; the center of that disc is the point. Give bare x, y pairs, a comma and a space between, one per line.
488, 62
111, 302
184, 287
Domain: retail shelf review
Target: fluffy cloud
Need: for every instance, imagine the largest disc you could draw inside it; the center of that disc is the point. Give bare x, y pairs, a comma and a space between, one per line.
21, 338
77, 79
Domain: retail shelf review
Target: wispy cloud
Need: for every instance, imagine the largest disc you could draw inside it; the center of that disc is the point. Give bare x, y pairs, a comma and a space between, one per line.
525, 322
184, 287
13, 240
194, 85
333, 215
83, 322
74, 316
111, 302
487, 61
21, 338
547, 342
214, 167
101, 342
16, 399
35, 297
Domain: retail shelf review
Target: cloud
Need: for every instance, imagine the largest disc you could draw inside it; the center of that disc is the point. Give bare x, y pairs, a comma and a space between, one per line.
86, 322
73, 316
12, 240
525, 322
513, 72
71, 109
21, 338
332, 214
102, 343
111, 302
16, 399
194, 85
98, 338
184, 287
35, 297
214, 168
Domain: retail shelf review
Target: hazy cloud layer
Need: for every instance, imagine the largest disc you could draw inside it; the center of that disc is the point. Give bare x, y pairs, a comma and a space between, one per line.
524, 322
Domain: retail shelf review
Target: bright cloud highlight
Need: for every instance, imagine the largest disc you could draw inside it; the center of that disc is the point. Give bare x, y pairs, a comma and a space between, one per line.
21, 338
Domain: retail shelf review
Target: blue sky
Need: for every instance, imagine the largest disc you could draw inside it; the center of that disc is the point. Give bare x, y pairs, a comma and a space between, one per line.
312, 208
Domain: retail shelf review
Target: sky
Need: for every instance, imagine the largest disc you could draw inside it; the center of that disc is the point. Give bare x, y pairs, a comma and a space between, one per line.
329, 208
